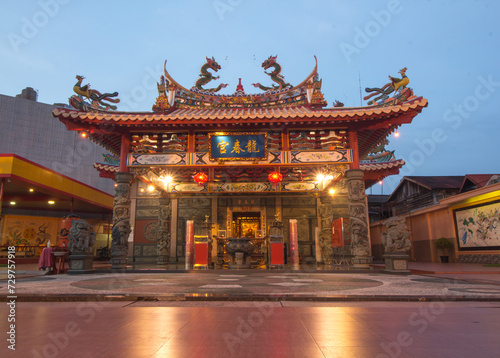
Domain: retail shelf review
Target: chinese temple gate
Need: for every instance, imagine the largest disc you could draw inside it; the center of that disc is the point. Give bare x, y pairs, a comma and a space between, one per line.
241, 162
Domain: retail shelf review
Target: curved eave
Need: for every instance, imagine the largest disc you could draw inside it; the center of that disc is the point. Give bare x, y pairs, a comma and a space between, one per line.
107, 170
228, 116
379, 167
374, 172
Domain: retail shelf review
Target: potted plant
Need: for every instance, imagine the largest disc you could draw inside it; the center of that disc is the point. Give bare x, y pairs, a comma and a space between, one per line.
444, 245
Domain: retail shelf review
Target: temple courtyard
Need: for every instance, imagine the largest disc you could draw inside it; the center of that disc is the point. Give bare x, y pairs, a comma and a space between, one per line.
438, 310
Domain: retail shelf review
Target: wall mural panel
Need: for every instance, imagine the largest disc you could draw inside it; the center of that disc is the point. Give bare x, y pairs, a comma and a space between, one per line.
478, 227
28, 230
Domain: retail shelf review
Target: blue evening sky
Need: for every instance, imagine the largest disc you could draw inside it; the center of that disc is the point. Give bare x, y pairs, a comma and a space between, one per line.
451, 50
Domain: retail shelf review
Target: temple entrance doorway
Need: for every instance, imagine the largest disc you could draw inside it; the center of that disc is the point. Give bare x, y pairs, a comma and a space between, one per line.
246, 224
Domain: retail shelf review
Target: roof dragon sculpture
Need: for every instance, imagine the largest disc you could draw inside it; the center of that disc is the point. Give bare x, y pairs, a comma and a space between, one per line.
275, 75
206, 76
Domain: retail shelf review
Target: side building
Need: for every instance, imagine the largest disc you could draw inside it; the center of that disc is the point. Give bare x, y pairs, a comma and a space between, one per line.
465, 210
46, 174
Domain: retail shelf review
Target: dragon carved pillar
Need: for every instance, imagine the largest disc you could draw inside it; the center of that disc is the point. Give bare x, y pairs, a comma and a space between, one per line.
121, 221
358, 217
163, 234
325, 212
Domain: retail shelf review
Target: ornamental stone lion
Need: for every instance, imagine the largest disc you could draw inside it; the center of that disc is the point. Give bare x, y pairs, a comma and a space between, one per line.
81, 236
397, 236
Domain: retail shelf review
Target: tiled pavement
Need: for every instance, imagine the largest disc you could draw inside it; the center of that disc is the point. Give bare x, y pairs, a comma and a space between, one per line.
254, 329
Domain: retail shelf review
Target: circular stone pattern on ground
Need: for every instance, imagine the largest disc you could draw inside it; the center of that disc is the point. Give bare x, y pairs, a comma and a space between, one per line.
257, 283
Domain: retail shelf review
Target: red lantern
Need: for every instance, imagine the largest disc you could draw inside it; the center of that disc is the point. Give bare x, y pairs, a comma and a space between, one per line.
275, 177
201, 178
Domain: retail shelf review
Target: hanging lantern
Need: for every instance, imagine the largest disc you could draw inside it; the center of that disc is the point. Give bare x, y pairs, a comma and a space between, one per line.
201, 178
275, 177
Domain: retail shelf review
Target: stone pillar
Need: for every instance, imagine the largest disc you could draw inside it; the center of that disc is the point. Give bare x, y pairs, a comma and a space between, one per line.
173, 228
325, 214
163, 234
121, 221
358, 217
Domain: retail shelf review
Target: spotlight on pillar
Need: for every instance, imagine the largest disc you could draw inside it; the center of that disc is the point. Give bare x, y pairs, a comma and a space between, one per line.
151, 188
201, 178
275, 177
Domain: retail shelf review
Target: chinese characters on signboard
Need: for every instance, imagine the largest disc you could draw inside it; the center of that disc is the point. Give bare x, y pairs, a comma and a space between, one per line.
238, 146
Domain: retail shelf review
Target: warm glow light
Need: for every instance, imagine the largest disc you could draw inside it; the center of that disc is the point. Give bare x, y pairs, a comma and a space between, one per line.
31, 190
201, 178
275, 177
116, 184
151, 188
12, 203
320, 177
167, 180
141, 190
381, 182
51, 202
331, 191
83, 135
396, 134
329, 177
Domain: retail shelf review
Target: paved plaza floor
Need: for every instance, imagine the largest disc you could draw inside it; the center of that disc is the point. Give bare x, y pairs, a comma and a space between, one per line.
254, 329
437, 311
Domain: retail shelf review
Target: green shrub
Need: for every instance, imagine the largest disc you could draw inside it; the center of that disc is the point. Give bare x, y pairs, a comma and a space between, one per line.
443, 243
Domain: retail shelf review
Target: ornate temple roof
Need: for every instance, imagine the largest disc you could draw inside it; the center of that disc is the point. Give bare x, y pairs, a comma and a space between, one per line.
278, 106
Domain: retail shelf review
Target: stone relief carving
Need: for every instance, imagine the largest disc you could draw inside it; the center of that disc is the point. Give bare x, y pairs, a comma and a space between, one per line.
121, 201
356, 190
147, 202
121, 213
150, 231
358, 211
325, 236
397, 236
297, 201
298, 212
360, 245
149, 250
119, 238
359, 237
122, 194
195, 202
146, 213
163, 234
